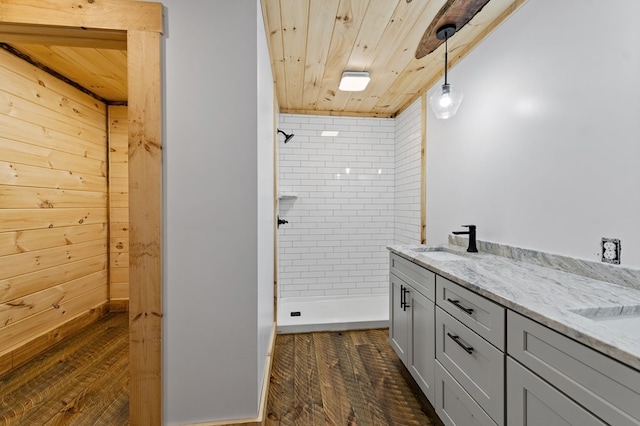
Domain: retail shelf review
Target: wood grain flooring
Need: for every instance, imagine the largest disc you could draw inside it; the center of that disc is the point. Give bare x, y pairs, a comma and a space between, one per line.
336, 378
83, 380
343, 378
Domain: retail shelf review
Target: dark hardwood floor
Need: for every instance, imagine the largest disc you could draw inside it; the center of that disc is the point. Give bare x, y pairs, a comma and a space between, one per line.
83, 380
338, 378
343, 378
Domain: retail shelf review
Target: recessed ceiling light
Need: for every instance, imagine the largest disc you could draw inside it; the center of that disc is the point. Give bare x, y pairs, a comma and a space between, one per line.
329, 133
354, 81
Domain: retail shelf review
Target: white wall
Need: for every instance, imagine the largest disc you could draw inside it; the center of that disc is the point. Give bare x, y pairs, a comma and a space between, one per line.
341, 222
266, 203
408, 155
216, 214
544, 150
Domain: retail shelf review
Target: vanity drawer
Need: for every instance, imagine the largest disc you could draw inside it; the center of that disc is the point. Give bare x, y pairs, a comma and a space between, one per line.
608, 388
479, 314
416, 276
473, 362
453, 404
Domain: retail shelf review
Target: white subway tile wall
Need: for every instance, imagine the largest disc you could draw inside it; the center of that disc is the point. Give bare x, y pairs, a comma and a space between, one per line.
407, 175
342, 216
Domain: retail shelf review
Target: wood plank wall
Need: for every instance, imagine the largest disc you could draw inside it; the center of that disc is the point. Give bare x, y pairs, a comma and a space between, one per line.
119, 204
53, 208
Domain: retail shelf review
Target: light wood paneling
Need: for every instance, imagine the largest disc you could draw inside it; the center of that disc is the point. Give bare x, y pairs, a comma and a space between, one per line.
13, 335
24, 263
19, 309
38, 239
143, 69
311, 42
42, 88
23, 219
118, 203
30, 154
53, 207
23, 197
102, 71
24, 175
22, 285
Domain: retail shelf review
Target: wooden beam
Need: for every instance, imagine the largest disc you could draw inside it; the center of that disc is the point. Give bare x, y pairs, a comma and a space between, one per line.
100, 14
338, 113
423, 168
56, 36
145, 220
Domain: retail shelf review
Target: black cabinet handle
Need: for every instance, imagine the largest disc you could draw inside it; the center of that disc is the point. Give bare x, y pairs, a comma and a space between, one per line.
406, 305
456, 339
459, 306
402, 302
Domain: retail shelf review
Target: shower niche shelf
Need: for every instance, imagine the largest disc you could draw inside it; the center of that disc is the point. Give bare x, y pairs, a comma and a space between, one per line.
285, 195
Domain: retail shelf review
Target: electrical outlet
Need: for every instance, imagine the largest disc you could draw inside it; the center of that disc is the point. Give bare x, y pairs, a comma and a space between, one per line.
611, 250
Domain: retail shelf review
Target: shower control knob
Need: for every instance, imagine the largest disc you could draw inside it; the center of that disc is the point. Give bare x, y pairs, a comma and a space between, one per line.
281, 221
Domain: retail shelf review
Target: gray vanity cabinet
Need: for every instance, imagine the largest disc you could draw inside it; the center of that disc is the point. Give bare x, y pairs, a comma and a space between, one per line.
420, 360
534, 402
399, 325
411, 331
470, 357
580, 376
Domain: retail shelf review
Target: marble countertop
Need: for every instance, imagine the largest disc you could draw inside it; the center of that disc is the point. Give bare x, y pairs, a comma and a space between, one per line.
545, 294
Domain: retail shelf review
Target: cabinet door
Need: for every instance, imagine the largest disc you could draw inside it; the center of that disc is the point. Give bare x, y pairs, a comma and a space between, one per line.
609, 388
421, 356
454, 405
533, 402
473, 362
399, 315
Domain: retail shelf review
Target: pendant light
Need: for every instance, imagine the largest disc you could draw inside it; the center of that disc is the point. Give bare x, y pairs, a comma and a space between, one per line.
446, 101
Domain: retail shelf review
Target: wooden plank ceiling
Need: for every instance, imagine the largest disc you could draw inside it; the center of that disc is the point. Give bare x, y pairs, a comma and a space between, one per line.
95, 60
311, 42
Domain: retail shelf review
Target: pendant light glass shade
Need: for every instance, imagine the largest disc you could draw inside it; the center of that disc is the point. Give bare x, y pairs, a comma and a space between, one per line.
446, 101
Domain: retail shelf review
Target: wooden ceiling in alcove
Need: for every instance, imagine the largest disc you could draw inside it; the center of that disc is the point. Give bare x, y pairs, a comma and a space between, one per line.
93, 59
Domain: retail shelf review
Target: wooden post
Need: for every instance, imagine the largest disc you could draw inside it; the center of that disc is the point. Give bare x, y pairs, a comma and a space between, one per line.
423, 169
145, 221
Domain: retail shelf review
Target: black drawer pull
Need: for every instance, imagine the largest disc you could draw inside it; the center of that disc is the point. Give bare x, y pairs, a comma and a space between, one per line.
456, 339
459, 306
406, 305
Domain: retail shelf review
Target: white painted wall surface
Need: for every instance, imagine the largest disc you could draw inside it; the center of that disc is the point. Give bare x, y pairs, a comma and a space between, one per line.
544, 150
266, 202
216, 213
408, 148
342, 219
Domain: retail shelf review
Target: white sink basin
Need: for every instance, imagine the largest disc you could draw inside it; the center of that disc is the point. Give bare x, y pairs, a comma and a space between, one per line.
438, 253
442, 255
621, 318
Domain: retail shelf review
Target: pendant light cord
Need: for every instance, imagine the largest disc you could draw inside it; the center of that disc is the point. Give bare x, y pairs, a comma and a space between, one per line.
446, 58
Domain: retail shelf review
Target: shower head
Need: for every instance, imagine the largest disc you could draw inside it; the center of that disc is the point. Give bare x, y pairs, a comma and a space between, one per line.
287, 137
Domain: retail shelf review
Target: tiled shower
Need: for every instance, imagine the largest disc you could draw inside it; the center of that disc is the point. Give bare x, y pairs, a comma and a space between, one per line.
338, 195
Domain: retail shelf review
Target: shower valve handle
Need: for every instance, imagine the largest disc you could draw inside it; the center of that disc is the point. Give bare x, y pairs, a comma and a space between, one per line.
281, 221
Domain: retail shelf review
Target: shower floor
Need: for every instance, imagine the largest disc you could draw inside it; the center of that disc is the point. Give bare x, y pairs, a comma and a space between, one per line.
332, 313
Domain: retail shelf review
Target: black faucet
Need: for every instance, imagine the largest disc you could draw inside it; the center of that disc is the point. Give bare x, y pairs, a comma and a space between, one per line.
472, 237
